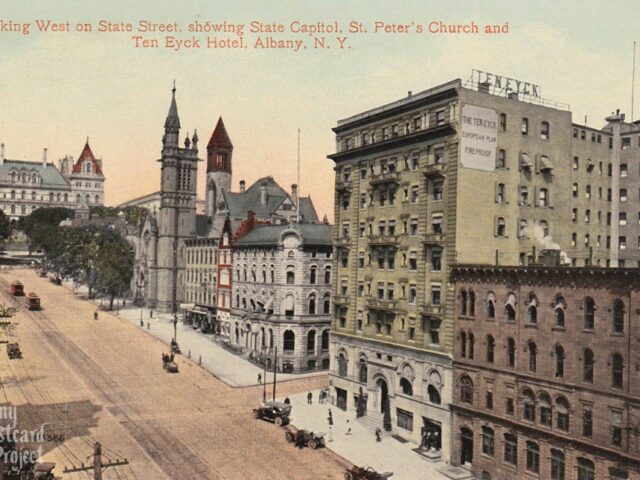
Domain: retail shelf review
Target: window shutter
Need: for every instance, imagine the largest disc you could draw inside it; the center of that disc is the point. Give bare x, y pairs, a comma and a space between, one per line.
495, 191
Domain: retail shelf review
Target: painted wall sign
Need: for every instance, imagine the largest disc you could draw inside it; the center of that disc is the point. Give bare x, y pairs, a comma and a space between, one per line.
478, 137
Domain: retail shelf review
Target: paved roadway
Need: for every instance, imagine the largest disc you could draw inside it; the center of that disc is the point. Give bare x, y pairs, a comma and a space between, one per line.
103, 381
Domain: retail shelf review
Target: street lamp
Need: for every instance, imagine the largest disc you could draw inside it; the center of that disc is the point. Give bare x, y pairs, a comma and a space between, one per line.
175, 327
140, 285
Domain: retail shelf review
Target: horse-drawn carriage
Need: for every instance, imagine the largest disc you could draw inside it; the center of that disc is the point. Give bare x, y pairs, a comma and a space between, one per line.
303, 438
13, 351
168, 364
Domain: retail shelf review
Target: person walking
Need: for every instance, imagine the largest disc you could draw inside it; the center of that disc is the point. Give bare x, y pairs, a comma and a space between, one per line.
310, 398
287, 401
378, 435
330, 422
148, 326
95, 315
259, 378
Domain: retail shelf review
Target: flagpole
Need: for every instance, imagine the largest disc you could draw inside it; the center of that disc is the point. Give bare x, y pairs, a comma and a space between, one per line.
299, 191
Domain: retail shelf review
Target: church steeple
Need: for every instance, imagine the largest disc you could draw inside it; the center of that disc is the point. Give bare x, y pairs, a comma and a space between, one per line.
219, 150
172, 123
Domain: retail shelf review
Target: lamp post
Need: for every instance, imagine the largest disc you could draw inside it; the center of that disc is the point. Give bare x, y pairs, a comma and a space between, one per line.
140, 286
264, 373
175, 327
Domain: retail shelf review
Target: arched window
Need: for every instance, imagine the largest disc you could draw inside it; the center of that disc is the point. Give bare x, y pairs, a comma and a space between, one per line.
289, 305
618, 316
586, 469
501, 229
472, 340
589, 307
327, 275
406, 386
532, 309
291, 277
466, 389
463, 303
472, 303
325, 340
511, 352
289, 341
97, 199
587, 365
270, 338
491, 349
486, 475
557, 465
311, 341
362, 370
510, 308
491, 306
533, 355
559, 352
544, 408
326, 304
488, 442
463, 344
562, 414
313, 274
529, 403
312, 304
617, 370
434, 395
558, 310
342, 364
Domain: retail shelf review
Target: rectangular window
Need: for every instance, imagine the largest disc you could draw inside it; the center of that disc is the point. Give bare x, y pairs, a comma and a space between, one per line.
626, 143
436, 260
440, 117
489, 400
511, 449
435, 294
509, 406
544, 130
503, 122
525, 126
405, 419
616, 428
414, 193
623, 170
587, 422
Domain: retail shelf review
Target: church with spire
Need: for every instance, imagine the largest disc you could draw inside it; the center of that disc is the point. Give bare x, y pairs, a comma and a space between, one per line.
175, 245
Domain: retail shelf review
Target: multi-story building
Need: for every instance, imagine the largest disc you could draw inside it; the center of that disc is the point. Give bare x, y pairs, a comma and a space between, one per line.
26, 186
200, 283
282, 295
456, 174
545, 372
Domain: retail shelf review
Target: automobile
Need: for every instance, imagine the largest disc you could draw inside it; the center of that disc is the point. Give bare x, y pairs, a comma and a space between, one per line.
365, 473
43, 471
304, 437
276, 412
168, 364
13, 351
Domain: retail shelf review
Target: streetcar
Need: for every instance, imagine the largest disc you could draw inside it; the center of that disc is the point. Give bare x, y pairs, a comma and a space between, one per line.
33, 301
17, 288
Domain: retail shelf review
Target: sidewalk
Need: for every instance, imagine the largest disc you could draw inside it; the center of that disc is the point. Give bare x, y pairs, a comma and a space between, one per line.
229, 368
361, 447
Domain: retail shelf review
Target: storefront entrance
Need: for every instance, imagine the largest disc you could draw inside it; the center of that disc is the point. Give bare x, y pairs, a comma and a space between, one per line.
341, 399
383, 394
466, 446
431, 434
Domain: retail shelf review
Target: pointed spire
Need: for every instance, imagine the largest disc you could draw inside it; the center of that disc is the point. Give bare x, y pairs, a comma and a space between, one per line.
172, 121
220, 137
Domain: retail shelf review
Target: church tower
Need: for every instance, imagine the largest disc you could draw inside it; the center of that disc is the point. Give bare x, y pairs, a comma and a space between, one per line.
219, 152
177, 215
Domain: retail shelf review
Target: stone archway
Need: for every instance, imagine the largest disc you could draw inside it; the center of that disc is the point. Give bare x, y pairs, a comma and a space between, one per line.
382, 393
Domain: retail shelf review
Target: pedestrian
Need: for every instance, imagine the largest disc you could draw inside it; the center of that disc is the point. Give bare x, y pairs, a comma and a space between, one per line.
259, 378
348, 427
378, 435
124, 303
287, 401
141, 324
321, 397
148, 326
95, 315
310, 398
150, 313
330, 421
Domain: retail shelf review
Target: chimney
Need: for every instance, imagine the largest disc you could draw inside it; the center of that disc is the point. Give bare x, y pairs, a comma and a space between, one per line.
294, 193
242, 184
409, 93
549, 258
44, 157
263, 193
1, 153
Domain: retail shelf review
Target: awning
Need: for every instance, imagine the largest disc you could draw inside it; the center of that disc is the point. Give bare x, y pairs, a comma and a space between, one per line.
545, 164
187, 306
525, 161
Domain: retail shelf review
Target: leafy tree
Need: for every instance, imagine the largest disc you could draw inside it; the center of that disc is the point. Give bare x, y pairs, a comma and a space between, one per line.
5, 226
113, 263
41, 226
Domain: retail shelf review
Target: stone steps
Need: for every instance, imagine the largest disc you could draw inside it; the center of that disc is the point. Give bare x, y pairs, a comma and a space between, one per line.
371, 421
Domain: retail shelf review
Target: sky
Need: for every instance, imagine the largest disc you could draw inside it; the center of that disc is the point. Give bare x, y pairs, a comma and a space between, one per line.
58, 88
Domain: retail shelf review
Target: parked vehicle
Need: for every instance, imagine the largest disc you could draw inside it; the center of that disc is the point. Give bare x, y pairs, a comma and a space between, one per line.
365, 473
17, 288
43, 471
276, 412
13, 351
168, 364
304, 438
33, 301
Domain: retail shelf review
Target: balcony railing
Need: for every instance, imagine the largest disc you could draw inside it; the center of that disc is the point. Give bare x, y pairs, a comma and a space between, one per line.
381, 304
382, 240
387, 177
434, 239
340, 299
432, 310
342, 241
343, 185
435, 169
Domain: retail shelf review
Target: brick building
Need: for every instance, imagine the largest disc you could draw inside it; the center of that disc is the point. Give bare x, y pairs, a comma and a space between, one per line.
545, 368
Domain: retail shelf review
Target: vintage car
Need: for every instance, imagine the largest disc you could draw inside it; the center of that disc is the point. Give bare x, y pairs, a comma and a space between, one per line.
33, 301
168, 364
303, 438
13, 351
43, 471
365, 473
17, 288
276, 412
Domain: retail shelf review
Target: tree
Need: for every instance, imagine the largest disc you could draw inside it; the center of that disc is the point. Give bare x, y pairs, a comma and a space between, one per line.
41, 226
113, 263
5, 226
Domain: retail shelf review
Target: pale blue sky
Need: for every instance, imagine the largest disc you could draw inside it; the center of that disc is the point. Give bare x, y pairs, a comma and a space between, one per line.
56, 89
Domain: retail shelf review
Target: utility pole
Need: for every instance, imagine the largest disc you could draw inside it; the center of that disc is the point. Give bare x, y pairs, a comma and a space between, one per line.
275, 366
264, 374
98, 466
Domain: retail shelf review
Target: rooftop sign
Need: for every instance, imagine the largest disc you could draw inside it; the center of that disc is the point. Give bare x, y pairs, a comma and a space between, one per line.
505, 83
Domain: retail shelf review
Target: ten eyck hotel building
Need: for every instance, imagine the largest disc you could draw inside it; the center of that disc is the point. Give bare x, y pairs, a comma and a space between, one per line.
482, 173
